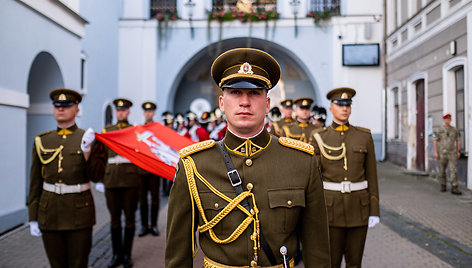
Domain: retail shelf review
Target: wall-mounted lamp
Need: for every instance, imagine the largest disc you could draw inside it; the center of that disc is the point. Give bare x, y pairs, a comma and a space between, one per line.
295, 4
190, 8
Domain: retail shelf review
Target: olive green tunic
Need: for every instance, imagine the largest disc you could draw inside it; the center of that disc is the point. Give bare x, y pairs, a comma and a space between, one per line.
298, 131
119, 175
57, 212
288, 193
349, 209
276, 128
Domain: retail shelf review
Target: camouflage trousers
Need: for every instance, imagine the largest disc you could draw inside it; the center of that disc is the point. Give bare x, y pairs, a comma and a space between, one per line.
448, 160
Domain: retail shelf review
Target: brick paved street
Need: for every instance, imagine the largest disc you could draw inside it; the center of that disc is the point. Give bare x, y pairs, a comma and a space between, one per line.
420, 227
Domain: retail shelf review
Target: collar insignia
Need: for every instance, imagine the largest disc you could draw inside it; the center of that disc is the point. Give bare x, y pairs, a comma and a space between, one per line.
245, 69
62, 97
247, 148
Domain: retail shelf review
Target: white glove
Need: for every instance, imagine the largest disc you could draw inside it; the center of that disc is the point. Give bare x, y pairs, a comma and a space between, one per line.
373, 220
34, 229
99, 186
87, 139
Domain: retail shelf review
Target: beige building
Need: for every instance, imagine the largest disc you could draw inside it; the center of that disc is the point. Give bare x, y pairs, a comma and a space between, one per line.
426, 76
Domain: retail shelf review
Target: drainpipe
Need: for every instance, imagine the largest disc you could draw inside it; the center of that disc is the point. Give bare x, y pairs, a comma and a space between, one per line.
384, 69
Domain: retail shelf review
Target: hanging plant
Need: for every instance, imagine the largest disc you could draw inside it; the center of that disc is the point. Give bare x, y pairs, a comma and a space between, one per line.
319, 16
167, 15
234, 14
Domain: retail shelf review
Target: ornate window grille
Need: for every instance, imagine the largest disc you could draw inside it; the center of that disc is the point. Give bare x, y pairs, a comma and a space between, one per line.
162, 7
332, 6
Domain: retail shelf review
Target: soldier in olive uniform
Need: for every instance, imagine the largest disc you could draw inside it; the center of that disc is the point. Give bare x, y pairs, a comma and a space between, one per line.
251, 193
149, 183
301, 128
60, 203
287, 110
121, 181
347, 161
449, 151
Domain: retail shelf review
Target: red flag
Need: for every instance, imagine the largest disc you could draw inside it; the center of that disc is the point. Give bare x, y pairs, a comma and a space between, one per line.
153, 147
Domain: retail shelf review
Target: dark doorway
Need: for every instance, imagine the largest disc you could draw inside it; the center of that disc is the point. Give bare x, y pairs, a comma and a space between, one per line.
420, 118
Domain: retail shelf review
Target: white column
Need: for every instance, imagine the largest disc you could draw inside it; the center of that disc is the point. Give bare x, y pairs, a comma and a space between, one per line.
468, 98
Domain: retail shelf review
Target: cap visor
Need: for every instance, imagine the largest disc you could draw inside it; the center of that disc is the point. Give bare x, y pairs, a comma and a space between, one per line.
346, 102
244, 84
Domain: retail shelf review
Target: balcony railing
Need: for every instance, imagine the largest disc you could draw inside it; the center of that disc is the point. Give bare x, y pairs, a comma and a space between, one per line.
163, 7
331, 6
257, 6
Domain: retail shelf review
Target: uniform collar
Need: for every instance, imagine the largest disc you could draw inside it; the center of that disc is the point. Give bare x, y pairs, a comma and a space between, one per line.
247, 147
122, 123
339, 127
288, 120
301, 124
66, 131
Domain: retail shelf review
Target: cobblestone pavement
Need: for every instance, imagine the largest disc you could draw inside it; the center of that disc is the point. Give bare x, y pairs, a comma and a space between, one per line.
420, 227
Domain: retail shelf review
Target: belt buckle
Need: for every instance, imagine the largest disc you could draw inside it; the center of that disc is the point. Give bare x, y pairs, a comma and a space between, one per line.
345, 187
58, 188
231, 173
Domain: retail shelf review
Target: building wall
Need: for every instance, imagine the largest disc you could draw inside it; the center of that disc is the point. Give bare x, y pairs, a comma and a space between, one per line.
423, 47
25, 33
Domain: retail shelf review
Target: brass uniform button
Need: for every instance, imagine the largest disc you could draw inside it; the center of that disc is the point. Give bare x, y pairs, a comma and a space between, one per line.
289, 202
248, 162
78, 151
342, 133
64, 137
60, 181
329, 151
250, 186
252, 211
86, 203
345, 178
216, 205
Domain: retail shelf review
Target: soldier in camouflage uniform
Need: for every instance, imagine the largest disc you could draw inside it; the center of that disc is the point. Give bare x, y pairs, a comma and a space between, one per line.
449, 151
272, 195
60, 203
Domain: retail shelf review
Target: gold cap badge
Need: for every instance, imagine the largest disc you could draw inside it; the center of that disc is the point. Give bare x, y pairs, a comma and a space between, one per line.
120, 103
344, 96
246, 68
147, 106
62, 97
304, 102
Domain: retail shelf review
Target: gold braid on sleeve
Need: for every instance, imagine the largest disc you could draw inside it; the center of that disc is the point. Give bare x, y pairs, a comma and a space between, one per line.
252, 216
56, 152
324, 146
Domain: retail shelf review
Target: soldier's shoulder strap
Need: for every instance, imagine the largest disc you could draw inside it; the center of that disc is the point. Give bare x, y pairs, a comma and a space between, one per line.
197, 147
107, 128
362, 129
295, 144
45, 133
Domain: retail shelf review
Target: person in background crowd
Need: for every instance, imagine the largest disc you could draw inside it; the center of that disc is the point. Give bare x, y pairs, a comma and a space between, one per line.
202, 131
448, 139
60, 204
318, 116
168, 119
287, 111
180, 127
301, 128
192, 126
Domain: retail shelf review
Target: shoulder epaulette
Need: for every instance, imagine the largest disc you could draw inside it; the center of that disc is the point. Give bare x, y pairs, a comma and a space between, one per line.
191, 149
363, 129
44, 133
295, 144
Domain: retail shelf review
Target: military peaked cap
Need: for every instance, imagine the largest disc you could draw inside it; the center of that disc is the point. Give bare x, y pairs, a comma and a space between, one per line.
148, 105
62, 97
303, 102
205, 118
288, 103
341, 95
245, 68
121, 103
179, 118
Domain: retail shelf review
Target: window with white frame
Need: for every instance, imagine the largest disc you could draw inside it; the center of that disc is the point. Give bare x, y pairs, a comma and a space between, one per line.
396, 113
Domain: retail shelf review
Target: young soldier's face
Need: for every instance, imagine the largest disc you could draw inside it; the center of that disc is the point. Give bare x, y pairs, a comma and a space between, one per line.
447, 121
340, 113
66, 114
245, 109
303, 113
122, 114
287, 112
149, 114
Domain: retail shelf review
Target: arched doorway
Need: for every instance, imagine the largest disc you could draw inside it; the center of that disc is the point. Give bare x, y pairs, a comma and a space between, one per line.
195, 83
44, 75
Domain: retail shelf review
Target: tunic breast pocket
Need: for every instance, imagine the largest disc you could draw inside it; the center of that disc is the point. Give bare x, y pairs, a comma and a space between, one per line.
75, 160
286, 205
212, 205
360, 152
